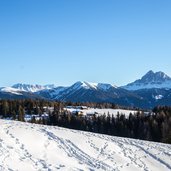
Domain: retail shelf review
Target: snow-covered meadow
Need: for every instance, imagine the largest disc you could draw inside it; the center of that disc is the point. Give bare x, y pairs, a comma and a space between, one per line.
30, 147
89, 111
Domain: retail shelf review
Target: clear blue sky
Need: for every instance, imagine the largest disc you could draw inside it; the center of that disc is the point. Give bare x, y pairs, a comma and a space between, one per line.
63, 41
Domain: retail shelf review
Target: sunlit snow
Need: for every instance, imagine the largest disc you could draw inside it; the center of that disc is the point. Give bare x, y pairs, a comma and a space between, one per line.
30, 147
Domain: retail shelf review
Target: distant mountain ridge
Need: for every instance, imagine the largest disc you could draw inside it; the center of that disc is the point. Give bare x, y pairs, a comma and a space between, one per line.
31, 88
154, 88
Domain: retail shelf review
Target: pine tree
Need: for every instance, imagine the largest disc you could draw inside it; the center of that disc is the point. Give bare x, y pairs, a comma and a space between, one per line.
20, 113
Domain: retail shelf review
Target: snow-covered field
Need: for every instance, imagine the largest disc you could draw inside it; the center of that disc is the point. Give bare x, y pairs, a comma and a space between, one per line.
97, 111
29, 147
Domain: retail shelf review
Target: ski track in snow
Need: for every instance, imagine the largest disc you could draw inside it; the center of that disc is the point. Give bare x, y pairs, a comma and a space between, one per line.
27, 147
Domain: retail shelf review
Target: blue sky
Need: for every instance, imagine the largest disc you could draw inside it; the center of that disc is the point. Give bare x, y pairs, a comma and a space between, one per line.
61, 42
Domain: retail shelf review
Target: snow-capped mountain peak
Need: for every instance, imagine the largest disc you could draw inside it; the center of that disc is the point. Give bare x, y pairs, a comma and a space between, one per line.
96, 86
83, 84
28, 87
155, 77
151, 80
31, 88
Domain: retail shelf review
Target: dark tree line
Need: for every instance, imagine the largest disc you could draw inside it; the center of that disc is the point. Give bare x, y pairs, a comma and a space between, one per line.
155, 126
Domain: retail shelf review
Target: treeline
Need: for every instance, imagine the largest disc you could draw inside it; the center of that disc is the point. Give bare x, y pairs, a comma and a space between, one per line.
11, 108
155, 126
16, 109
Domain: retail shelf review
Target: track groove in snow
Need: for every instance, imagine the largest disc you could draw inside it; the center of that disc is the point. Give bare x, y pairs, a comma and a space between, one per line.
30, 147
73, 151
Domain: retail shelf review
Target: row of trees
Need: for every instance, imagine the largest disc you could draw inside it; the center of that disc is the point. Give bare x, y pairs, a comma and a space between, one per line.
155, 126
11, 108
17, 108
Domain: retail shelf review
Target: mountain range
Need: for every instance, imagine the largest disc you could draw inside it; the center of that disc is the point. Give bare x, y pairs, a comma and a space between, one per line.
154, 88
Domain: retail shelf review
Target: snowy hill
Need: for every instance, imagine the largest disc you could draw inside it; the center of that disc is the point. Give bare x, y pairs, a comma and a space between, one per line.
30, 147
151, 80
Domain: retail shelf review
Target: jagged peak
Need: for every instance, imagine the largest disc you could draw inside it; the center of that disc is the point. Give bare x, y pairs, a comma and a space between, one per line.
155, 76
150, 80
31, 87
28, 85
150, 72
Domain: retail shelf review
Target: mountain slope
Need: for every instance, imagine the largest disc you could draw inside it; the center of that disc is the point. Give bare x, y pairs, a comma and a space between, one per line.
93, 92
150, 80
155, 96
36, 147
51, 94
12, 93
23, 91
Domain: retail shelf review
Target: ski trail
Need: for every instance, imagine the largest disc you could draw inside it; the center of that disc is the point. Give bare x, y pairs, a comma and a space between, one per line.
154, 156
130, 154
74, 151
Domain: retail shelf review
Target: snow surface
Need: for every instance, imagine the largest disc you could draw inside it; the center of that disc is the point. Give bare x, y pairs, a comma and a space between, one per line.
30, 147
10, 90
32, 88
158, 97
99, 112
88, 85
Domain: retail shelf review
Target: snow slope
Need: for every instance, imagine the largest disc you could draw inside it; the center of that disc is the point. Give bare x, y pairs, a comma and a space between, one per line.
88, 85
10, 90
29, 147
